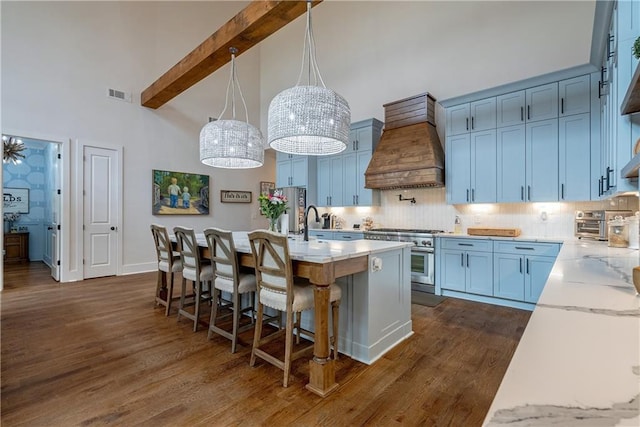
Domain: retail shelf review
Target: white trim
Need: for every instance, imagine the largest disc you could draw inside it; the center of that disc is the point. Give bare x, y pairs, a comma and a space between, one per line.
144, 267
65, 187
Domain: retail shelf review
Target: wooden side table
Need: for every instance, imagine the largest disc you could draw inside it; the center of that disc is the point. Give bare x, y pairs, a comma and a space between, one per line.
16, 247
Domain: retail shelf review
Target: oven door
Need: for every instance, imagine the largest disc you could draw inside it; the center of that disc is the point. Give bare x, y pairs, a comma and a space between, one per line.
422, 270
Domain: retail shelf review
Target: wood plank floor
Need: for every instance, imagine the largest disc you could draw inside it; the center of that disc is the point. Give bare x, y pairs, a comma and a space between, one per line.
97, 352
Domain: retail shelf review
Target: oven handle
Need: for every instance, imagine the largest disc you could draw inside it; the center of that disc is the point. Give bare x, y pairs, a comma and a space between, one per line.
422, 250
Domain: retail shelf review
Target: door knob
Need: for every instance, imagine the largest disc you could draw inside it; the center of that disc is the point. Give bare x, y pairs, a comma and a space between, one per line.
113, 229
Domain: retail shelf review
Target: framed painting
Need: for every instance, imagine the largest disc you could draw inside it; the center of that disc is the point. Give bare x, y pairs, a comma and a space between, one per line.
267, 187
15, 200
180, 193
233, 196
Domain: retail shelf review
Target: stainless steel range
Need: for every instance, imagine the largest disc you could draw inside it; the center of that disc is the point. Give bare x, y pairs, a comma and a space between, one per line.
422, 253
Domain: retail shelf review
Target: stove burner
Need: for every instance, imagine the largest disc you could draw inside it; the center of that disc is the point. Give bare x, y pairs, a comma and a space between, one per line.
405, 230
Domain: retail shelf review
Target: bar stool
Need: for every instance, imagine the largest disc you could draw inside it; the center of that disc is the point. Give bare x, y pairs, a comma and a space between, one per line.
228, 278
277, 289
169, 262
195, 270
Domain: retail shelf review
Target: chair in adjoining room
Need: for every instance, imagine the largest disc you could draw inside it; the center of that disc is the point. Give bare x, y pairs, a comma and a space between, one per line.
229, 279
277, 290
196, 270
169, 263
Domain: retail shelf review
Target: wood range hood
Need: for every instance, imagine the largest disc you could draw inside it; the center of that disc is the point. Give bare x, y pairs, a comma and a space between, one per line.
409, 154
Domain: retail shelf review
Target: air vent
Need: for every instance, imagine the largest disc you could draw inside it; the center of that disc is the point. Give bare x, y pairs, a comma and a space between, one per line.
119, 95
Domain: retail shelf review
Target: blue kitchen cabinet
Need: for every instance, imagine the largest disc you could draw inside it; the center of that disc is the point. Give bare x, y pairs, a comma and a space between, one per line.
355, 165
628, 19
346, 235
574, 157
321, 234
471, 169
542, 161
293, 170
575, 95
330, 184
466, 265
521, 269
471, 117
511, 177
542, 102
458, 168
510, 109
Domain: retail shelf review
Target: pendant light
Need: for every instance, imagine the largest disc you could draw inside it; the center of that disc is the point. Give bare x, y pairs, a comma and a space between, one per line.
13, 148
232, 144
309, 120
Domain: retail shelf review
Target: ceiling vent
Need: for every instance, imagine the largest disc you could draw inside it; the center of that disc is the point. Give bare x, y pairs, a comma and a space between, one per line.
119, 95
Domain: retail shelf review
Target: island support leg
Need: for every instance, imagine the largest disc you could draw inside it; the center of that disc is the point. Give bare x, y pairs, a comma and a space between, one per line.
322, 374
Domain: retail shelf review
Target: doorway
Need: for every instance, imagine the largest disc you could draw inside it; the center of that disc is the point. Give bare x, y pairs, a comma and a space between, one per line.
33, 175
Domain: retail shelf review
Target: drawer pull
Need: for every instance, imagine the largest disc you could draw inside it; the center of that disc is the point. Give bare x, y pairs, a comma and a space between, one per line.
525, 248
465, 244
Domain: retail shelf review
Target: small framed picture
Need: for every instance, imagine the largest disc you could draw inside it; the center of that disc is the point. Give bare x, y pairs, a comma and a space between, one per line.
15, 200
235, 196
267, 187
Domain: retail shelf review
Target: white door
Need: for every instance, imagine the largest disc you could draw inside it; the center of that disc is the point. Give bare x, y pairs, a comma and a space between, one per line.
52, 236
100, 212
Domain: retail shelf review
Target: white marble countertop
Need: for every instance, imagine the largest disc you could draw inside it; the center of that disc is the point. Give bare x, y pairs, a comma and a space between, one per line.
578, 362
320, 251
519, 238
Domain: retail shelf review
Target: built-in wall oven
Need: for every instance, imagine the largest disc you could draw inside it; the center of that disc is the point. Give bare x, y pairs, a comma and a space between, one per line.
594, 224
422, 253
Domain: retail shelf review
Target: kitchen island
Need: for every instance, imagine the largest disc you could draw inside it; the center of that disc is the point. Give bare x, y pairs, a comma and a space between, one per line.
375, 310
578, 362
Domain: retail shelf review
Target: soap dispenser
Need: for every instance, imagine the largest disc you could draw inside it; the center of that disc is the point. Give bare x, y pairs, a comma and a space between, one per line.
457, 225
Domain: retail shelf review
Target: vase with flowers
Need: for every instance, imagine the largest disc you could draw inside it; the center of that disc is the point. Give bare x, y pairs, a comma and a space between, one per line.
9, 219
272, 206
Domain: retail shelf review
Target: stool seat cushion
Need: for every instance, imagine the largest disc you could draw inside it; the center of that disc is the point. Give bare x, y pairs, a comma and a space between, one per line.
246, 283
302, 297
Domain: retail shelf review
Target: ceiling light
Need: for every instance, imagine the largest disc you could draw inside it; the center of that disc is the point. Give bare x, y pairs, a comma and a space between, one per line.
12, 150
232, 144
309, 120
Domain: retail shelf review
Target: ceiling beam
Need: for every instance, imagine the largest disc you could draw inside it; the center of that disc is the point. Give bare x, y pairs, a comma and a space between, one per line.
249, 27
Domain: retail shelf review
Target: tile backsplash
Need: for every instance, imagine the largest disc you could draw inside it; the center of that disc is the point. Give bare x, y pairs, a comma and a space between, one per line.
554, 219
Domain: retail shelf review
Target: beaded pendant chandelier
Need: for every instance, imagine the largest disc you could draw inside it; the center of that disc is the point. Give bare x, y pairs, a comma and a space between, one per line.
232, 144
12, 150
309, 120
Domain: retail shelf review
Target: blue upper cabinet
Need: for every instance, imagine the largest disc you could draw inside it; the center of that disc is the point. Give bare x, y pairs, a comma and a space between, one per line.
511, 179
458, 119
295, 171
510, 109
574, 157
542, 161
575, 95
471, 167
330, 185
542, 102
471, 117
458, 169
628, 19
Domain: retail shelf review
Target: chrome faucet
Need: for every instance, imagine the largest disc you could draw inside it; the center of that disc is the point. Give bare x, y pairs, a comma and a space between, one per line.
306, 221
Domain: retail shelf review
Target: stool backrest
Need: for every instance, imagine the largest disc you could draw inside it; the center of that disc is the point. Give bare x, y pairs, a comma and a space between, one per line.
189, 251
222, 252
274, 272
164, 250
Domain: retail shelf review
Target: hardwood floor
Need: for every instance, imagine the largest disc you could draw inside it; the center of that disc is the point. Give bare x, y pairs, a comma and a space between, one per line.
97, 352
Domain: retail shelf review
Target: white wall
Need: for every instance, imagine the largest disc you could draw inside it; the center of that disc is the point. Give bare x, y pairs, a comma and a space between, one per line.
58, 59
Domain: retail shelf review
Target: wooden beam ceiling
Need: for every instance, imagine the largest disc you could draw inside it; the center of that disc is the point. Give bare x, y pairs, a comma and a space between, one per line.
249, 27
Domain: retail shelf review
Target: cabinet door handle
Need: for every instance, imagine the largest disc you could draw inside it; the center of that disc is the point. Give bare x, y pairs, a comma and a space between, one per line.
467, 194
353, 146
473, 194
467, 260
357, 199
465, 244
529, 192
527, 265
561, 105
522, 192
461, 260
521, 113
525, 248
520, 265
472, 125
353, 200
357, 145
562, 191
467, 123
601, 186
331, 200
608, 178
528, 112
610, 51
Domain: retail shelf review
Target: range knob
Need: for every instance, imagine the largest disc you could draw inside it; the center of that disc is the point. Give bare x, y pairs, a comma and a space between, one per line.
415, 243
426, 243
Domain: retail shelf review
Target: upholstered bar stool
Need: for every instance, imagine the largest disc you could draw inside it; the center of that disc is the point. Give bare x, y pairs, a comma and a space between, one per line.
195, 270
229, 279
277, 289
169, 262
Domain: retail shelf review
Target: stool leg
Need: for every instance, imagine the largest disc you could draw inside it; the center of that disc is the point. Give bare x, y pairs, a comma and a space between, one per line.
288, 348
236, 321
169, 295
214, 315
198, 289
257, 332
182, 297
